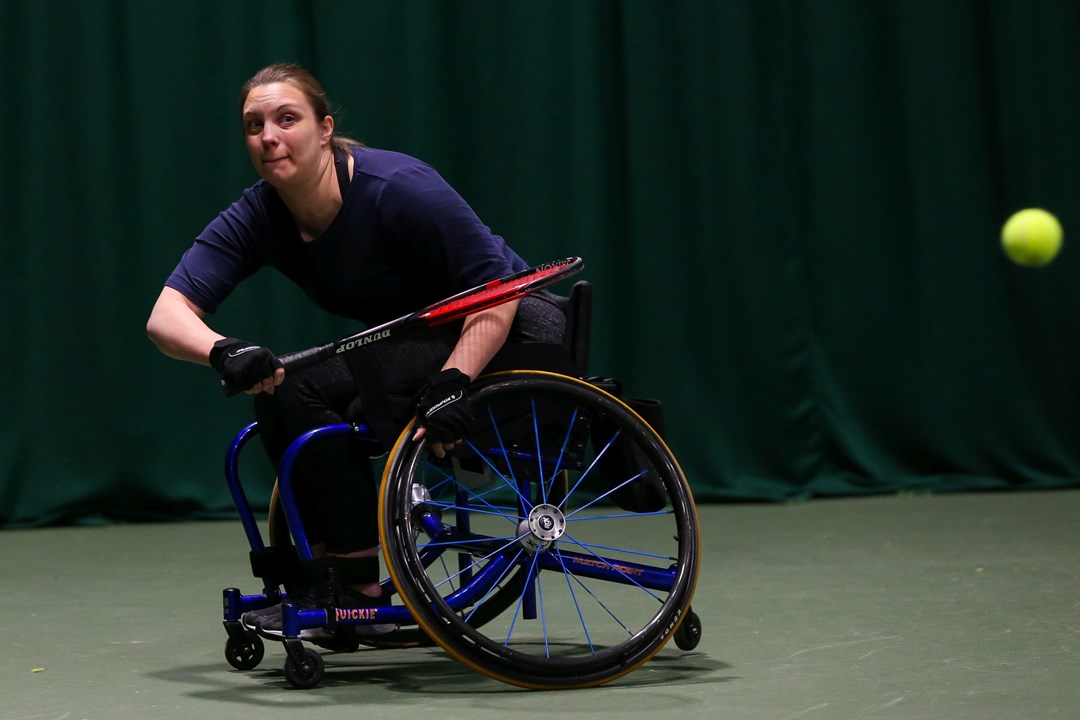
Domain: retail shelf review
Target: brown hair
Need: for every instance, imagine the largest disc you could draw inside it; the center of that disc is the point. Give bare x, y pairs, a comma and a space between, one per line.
306, 82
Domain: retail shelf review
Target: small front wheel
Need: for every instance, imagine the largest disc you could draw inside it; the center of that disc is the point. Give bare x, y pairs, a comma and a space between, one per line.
245, 654
308, 672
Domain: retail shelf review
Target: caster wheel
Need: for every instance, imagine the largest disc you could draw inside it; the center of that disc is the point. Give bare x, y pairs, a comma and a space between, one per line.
307, 673
244, 654
689, 633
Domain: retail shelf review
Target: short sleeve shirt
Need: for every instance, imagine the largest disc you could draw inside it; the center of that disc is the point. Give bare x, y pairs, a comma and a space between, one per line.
402, 240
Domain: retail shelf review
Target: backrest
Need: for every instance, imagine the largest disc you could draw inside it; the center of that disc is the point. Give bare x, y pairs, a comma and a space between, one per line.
571, 356
578, 309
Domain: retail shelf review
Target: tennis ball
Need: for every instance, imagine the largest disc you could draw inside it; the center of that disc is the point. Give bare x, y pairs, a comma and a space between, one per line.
1032, 237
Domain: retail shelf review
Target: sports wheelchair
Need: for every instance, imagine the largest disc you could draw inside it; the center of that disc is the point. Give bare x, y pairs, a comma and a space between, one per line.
556, 547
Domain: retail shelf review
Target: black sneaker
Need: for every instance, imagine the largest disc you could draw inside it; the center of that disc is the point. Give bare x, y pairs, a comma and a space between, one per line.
254, 619
352, 600
268, 621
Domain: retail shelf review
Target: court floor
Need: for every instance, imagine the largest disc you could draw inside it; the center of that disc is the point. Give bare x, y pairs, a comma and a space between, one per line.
952, 607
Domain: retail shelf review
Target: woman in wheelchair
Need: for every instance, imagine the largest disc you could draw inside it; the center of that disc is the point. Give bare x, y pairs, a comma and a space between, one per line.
368, 235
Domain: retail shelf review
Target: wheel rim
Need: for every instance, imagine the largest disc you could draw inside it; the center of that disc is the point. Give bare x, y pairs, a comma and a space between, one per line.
585, 609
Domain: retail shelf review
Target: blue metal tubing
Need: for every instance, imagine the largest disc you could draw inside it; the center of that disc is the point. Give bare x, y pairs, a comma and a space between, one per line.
294, 619
232, 477
461, 502
480, 585
473, 590
616, 571
235, 604
528, 595
583, 565
285, 487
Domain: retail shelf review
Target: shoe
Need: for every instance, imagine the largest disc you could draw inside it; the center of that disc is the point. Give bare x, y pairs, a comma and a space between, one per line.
271, 623
268, 621
253, 619
352, 600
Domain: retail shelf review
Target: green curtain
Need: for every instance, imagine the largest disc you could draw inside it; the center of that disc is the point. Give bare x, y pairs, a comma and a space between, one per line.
789, 211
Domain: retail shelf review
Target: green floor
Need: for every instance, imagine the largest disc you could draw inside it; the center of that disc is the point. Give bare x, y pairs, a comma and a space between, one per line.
951, 607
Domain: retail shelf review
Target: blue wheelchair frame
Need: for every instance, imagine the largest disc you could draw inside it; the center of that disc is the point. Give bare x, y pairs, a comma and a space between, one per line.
295, 619
303, 667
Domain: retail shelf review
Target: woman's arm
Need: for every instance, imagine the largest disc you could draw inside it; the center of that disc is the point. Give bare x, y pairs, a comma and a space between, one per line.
176, 327
482, 336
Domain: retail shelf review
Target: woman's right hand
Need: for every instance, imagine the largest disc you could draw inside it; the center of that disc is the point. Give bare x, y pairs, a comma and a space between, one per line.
246, 365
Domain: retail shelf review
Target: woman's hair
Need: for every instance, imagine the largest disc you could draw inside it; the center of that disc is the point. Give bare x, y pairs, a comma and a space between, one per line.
302, 79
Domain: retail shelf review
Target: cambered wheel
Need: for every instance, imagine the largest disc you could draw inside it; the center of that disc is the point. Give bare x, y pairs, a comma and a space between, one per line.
525, 512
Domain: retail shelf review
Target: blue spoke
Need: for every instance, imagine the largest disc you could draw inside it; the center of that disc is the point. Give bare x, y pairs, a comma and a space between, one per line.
598, 499
573, 596
496, 511
539, 450
589, 469
512, 483
624, 551
562, 454
517, 611
442, 561
461, 542
495, 586
614, 567
476, 563
570, 574
619, 515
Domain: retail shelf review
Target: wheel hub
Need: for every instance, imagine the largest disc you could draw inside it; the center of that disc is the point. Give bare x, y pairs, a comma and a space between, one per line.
545, 524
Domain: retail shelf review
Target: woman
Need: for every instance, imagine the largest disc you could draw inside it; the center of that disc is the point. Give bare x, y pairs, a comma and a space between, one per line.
368, 235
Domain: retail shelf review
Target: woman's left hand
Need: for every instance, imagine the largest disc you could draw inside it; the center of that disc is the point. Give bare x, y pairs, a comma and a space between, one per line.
444, 410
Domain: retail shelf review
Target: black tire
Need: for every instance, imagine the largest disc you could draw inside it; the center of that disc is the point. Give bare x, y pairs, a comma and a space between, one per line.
308, 672
688, 635
244, 654
603, 607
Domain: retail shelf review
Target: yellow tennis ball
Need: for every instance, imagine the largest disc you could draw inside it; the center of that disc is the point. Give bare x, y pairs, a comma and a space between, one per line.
1032, 237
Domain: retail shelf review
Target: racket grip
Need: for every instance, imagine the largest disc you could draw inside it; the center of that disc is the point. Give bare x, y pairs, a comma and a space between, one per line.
292, 361
307, 358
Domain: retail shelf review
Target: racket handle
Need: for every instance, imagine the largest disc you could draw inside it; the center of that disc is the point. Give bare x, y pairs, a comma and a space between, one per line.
292, 361
306, 358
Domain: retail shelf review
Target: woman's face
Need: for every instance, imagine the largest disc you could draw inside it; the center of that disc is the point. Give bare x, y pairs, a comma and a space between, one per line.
284, 138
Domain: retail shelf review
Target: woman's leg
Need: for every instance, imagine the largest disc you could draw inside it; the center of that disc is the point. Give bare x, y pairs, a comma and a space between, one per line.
333, 479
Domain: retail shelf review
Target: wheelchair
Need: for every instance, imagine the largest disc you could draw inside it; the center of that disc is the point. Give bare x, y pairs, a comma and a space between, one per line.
556, 547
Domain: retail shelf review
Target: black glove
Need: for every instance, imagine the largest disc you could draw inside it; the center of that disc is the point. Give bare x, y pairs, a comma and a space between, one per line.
242, 364
444, 407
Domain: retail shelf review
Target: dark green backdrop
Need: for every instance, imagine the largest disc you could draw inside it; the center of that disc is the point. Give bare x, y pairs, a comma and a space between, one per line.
789, 210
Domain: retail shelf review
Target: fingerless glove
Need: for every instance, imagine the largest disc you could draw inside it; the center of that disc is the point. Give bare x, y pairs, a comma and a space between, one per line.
242, 364
444, 407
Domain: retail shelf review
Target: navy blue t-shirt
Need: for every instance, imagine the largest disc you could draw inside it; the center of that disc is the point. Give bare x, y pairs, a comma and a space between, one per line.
402, 240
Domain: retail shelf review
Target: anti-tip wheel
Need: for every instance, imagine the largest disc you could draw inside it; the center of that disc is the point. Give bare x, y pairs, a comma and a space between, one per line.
688, 635
244, 654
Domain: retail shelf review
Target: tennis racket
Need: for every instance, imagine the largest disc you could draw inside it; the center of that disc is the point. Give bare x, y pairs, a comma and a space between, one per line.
481, 297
